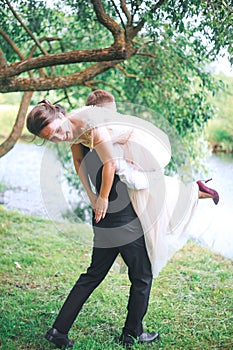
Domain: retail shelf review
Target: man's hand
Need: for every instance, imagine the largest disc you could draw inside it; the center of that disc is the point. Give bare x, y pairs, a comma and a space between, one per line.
100, 208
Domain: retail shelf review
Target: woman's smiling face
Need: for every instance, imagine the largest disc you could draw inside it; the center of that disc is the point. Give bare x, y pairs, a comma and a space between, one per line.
58, 130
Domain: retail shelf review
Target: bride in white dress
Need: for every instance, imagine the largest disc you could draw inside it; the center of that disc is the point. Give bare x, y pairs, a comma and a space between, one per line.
163, 204
137, 151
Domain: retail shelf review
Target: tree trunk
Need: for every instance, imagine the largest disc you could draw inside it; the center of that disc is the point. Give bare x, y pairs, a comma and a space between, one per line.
16, 132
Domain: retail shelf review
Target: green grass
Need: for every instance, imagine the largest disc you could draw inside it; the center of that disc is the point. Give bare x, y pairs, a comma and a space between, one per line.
191, 302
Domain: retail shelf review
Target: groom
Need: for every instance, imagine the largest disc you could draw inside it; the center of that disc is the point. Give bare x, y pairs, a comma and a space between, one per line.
119, 231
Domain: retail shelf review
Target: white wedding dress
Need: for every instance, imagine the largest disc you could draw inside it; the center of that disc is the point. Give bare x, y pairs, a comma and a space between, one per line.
164, 205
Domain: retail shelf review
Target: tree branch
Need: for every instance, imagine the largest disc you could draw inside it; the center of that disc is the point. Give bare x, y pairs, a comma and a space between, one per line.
3, 61
25, 27
126, 11
44, 84
44, 38
146, 54
141, 23
33, 49
68, 98
9, 143
14, 47
97, 55
227, 7
65, 98
118, 12
135, 76
12, 44
108, 22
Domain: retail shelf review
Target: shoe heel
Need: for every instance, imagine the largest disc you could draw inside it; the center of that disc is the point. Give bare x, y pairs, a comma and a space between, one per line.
208, 180
214, 194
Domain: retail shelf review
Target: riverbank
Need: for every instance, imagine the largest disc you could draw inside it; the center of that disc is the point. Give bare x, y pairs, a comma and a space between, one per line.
33, 182
191, 301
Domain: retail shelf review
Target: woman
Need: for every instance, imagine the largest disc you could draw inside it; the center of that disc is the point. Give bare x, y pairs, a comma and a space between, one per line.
128, 145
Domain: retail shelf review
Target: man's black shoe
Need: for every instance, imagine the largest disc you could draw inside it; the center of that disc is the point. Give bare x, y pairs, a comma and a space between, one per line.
61, 340
128, 340
148, 337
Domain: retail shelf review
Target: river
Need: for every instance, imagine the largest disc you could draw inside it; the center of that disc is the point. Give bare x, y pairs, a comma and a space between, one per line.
214, 224
32, 189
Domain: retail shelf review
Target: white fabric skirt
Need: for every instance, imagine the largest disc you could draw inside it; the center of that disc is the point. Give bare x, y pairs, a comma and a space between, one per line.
165, 211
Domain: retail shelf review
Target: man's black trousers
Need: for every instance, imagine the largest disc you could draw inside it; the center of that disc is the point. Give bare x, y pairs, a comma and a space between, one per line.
139, 269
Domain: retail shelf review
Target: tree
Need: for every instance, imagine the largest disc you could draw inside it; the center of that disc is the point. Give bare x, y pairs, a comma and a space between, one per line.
137, 48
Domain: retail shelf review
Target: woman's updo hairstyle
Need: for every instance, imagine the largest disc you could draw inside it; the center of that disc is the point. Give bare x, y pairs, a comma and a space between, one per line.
42, 115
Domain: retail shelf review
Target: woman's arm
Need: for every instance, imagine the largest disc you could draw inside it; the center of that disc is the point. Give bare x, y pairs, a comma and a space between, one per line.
103, 145
79, 165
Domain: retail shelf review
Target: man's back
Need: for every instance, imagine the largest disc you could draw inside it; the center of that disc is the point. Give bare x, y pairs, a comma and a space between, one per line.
121, 224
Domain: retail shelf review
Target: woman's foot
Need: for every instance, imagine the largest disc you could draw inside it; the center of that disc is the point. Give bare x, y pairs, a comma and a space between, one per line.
209, 191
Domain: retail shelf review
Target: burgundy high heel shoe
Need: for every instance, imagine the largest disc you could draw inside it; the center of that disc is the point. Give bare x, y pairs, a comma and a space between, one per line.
208, 190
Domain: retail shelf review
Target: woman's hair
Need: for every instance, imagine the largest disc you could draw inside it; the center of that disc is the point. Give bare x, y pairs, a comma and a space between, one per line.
99, 97
42, 115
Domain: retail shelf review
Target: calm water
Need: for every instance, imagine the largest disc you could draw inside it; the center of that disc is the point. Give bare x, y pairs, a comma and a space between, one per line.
32, 189
214, 223
29, 171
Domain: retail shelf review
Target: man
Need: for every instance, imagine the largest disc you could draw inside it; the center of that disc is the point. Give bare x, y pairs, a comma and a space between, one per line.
119, 231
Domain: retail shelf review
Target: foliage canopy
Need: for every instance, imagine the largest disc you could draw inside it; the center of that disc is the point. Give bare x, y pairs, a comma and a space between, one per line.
150, 53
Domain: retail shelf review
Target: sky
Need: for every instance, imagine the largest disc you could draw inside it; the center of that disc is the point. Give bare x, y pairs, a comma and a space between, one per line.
222, 65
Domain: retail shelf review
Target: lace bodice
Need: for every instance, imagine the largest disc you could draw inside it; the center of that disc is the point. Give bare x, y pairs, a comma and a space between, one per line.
137, 138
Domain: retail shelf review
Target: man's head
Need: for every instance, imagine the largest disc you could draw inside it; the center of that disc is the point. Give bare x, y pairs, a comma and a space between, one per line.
101, 98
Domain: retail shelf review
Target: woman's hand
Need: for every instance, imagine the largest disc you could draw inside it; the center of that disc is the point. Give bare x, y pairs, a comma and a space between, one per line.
101, 206
93, 198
